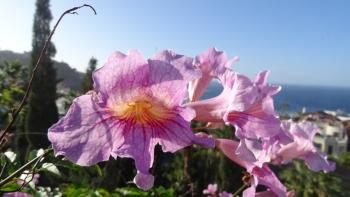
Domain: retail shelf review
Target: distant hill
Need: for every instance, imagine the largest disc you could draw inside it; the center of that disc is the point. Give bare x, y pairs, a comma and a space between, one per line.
71, 78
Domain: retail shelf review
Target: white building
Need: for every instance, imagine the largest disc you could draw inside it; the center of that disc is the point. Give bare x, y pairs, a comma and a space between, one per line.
332, 138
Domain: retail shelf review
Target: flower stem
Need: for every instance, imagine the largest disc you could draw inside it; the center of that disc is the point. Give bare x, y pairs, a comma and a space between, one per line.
239, 190
187, 153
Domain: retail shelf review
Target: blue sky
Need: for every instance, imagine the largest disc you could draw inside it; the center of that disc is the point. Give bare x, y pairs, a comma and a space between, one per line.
301, 42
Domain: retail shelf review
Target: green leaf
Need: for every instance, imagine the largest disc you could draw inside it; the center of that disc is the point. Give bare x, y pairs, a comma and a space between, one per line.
10, 187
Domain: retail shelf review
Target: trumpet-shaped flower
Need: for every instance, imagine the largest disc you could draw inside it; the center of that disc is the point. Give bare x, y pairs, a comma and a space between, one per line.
302, 147
248, 105
258, 176
212, 63
136, 105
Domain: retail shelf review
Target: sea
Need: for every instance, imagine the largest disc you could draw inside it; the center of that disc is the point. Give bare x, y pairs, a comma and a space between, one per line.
297, 98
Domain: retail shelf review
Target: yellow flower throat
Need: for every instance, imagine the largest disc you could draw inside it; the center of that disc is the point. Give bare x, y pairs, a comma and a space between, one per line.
143, 112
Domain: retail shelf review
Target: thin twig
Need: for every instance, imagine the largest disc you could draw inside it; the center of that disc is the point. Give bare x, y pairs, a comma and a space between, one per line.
38, 63
25, 166
187, 173
3, 169
239, 190
32, 172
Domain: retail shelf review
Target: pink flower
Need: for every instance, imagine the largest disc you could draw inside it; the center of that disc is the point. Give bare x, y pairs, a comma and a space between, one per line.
264, 176
212, 63
258, 176
269, 193
302, 147
260, 132
211, 190
225, 194
137, 105
248, 105
17, 194
228, 147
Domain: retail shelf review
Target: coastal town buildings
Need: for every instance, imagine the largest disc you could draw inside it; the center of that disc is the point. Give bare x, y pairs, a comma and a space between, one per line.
333, 135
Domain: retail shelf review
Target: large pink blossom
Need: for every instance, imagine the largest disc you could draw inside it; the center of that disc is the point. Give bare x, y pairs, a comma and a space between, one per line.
136, 105
302, 147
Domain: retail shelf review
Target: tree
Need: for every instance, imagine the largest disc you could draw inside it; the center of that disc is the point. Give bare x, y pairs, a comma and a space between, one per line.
13, 80
42, 109
87, 81
12, 84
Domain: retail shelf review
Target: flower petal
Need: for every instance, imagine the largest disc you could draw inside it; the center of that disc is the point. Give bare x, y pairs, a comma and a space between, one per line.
75, 135
255, 153
302, 146
318, 161
249, 192
176, 134
267, 178
121, 74
16, 194
139, 145
197, 87
252, 126
211, 189
182, 63
144, 181
229, 147
257, 121
212, 63
267, 193
168, 82
264, 87
261, 78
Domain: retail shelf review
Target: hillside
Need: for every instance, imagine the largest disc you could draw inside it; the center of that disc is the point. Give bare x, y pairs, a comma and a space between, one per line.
71, 78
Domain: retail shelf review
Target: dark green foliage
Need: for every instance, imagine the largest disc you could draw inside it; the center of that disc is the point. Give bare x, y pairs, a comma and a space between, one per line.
42, 111
10, 187
13, 80
307, 183
12, 84
87, 80
117, 173
205, 166
75, 191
